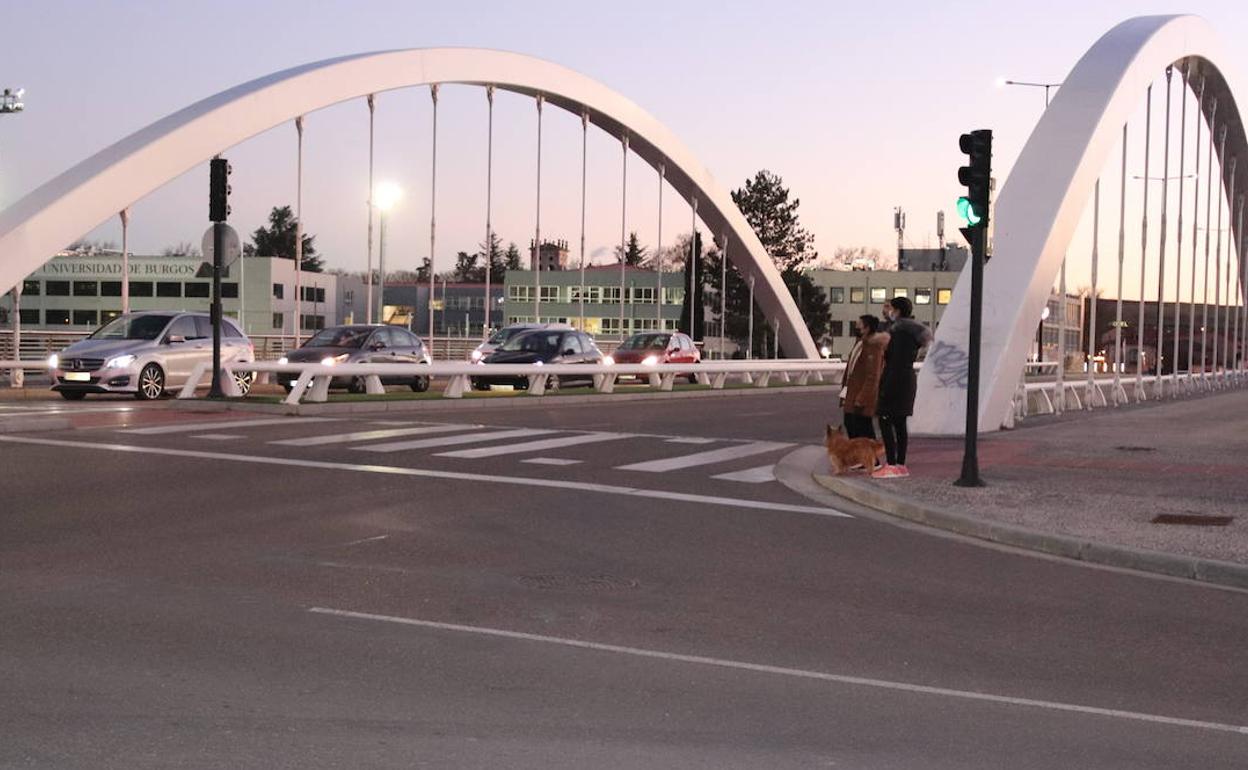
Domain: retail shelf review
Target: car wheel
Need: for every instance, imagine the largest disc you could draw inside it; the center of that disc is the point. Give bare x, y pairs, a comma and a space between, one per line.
552, 384
693, 379
244, 381
287, 388
420, 384
356, 385
151, 383
479, 385
73, 395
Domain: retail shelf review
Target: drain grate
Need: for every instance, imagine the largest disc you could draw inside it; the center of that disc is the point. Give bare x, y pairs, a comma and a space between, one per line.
551, 582
1130, 448
1193, 519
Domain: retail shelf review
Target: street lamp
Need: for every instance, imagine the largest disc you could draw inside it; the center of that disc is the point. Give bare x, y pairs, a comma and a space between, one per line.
385, 197
1002, 83
11, 101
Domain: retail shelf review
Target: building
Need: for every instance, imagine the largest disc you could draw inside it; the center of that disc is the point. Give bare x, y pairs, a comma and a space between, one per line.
78, 292
950, 258
561, 298
853, 293
553, 255
1198, 330
459, 309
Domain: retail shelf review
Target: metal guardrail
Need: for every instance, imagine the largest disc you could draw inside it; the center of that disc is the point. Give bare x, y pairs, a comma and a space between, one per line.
1080, 394
313, 379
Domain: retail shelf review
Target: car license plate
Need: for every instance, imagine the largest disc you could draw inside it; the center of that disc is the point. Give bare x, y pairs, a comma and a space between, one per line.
77, 376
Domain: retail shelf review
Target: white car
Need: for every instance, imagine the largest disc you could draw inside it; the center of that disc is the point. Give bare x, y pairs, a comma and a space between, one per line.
145, 354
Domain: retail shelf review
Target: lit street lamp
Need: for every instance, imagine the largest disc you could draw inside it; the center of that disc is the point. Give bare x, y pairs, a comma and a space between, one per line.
386, 195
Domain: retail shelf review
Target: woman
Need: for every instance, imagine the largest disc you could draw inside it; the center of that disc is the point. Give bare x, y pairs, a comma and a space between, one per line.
897, 384
862, 377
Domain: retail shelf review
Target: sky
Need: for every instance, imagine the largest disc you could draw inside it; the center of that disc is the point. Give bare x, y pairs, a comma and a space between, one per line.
858, 109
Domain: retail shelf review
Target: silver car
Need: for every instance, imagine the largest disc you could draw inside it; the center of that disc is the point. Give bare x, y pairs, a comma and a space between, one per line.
501, 336
145, 354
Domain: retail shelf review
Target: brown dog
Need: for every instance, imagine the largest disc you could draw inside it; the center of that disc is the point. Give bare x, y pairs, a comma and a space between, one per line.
844, 452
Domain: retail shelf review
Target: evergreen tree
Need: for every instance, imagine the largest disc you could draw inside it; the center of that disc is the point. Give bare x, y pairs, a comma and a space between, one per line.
764, 201
512, 259
634, 254
496, 257
278, 240
697, 327
467, 270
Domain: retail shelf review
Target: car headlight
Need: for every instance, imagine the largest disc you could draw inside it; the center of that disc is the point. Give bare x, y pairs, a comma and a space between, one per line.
608, 360
650, 360
825, 351
283, 360
428, 359
119, 362
539, 363
331, 360
477, 355
54, 361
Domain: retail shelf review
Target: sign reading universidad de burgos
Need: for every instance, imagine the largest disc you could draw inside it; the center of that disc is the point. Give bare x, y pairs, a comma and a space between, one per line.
164, 267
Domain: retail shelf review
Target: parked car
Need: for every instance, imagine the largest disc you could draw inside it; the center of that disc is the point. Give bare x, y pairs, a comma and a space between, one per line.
545, 346
507, 332
653, 347
146, 354
362, 344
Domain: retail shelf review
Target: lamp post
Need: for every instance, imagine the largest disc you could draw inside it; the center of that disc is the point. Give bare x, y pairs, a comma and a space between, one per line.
384, 197
11, 102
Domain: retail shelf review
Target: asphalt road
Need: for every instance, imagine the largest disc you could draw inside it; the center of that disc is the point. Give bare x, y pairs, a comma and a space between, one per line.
250, 591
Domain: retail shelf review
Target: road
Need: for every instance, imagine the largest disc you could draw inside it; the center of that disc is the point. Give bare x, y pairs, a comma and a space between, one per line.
607, 585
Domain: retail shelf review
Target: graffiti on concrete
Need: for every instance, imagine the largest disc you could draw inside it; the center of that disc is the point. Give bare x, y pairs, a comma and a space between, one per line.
949, 363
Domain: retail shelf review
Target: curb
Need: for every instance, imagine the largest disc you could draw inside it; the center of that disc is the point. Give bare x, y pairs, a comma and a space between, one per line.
448, 404
1108, 554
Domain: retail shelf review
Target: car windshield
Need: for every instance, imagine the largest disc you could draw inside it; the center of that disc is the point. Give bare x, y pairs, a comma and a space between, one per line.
647, 342
533, 342
132, 327
504, 334
339, 337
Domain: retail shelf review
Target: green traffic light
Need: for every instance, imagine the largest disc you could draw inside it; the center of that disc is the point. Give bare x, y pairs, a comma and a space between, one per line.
967, 211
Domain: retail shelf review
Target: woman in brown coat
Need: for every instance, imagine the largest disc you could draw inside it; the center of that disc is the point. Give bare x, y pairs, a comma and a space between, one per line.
861, 390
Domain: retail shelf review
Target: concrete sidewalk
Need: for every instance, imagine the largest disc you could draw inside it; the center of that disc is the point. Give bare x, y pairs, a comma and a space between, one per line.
1088, 484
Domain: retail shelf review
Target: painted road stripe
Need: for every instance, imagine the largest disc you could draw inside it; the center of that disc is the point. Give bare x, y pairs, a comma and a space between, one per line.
751, 475
371, 435
822, 676
471, 438
560, 461
540, 445
690, 440
479, 478
191, 427
217, 436
706, 458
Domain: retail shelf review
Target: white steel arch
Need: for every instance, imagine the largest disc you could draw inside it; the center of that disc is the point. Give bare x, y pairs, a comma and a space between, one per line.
78, 200
1040, 205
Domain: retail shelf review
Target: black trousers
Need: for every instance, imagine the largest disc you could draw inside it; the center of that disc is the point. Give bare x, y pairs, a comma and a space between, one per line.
893, 431
858, 426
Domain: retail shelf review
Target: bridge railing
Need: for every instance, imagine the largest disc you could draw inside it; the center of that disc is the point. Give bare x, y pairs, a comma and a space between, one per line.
1051, 397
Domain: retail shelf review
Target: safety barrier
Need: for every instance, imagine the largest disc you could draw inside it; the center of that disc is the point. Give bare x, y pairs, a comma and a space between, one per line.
1054, 397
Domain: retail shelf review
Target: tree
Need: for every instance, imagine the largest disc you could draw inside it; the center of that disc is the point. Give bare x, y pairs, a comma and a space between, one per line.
278, 240
493, 254
512, 258
633, 253
855, 257
765, 203
467, 270
180, 249
696, 327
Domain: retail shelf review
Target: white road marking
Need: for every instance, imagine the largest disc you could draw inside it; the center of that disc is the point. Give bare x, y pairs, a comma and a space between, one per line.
370, 435
706, 458
479, 478
191, 427
217, 436
367, 540
551, 461
472, 438
859, 681
535, 446
751, 475
690, 440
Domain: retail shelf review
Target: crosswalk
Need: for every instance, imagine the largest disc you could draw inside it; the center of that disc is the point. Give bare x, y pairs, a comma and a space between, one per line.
636, 454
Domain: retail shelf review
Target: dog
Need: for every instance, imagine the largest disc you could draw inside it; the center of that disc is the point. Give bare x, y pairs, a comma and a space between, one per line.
846, 453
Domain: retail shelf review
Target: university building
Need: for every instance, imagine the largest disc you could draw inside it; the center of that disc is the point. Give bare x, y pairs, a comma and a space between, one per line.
647, 304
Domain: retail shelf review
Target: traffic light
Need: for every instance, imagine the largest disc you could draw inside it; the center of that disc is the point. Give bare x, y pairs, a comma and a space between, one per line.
976, 176
218, 190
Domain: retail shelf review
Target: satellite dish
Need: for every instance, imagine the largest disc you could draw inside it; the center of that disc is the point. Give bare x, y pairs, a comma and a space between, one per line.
233, 246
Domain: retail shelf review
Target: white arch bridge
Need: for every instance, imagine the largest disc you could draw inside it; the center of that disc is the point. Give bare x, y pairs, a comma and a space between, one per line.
86, 195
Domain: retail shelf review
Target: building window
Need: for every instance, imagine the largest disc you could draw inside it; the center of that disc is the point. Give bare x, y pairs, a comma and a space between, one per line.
86, 289
110, 288
943, 296
900, 291
922, 296
198, 289
140, 288
279, 321
279, 291
857, 295
643, 295
550, 294
611, 295
316, 322
878, 295
836, 295
30, 317
229, 291
592, 294
31, 288
108, 315
838, 328
56, 317
674, 296
85, 318
168, 289
56, 289
313, 294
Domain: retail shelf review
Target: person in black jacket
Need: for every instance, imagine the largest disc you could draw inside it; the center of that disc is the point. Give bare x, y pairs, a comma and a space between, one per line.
898, 384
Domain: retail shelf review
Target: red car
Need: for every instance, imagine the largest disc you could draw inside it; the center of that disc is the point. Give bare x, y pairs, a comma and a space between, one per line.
653, 347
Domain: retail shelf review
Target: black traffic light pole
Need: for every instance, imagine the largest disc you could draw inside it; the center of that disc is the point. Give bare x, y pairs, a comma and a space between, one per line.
218, 212
977, 176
